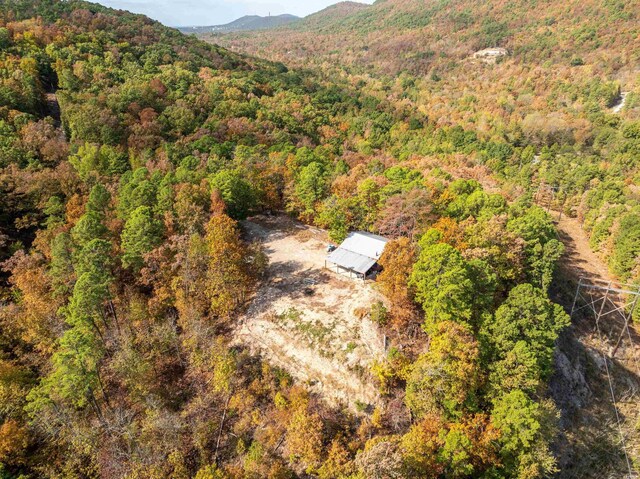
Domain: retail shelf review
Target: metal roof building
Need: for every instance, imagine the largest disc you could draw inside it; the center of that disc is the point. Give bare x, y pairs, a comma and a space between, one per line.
358, 253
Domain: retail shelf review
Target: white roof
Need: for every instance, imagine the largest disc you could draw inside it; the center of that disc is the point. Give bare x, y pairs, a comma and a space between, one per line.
366, 244
359, 251
350, 260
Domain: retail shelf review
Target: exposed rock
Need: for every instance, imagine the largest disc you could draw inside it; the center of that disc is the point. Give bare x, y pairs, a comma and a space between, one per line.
620, 103
568, 385
490, 55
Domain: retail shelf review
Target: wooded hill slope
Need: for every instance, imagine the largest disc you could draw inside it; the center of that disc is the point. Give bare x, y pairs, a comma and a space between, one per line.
124, 266
554, 91
424, 36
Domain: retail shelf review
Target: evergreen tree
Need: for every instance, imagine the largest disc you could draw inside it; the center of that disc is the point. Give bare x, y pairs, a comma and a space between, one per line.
99, 198
89, 227
526, 429
235, 191
61, 266
527, 315
140, 234
310, 188
442, 283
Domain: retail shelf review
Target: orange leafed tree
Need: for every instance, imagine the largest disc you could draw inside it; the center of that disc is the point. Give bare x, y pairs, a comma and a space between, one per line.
13, 442
397, 262
227, 278
36, 308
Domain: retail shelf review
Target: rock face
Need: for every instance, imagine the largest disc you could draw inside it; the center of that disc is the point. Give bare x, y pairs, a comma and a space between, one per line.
569, 387
490, 54
619, 105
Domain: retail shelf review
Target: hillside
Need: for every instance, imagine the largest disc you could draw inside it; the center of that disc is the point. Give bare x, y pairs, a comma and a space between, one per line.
561, 81
422, 36
165, 309
246, 23
331, 16
565, 77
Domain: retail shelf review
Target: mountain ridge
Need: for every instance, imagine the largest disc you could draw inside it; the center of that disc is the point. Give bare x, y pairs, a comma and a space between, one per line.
245, 23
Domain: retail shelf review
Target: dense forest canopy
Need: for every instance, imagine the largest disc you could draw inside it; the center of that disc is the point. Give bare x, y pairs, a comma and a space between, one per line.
129, 155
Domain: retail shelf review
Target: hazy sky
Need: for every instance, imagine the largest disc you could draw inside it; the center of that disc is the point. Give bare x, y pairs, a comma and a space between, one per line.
215, 12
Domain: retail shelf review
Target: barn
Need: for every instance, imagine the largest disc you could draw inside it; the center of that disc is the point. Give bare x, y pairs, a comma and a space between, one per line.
358, 254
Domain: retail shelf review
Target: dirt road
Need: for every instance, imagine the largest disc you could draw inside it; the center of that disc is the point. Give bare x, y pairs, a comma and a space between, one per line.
579, 259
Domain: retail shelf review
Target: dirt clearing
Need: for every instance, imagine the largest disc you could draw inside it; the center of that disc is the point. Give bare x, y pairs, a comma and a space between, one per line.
579, 259
305, 319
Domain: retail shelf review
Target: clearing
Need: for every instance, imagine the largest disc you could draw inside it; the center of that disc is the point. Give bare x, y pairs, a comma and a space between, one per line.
308, 320
579, 259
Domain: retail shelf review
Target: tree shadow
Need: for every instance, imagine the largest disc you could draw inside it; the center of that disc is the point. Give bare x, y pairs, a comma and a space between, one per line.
590, 444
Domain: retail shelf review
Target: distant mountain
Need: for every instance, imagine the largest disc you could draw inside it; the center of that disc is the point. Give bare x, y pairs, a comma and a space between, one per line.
246, 23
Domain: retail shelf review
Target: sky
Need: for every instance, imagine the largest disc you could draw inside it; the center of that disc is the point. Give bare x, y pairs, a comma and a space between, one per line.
215, 12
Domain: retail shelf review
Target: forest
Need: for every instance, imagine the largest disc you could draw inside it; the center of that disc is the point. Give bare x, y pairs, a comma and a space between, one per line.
550, 99
129, 156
